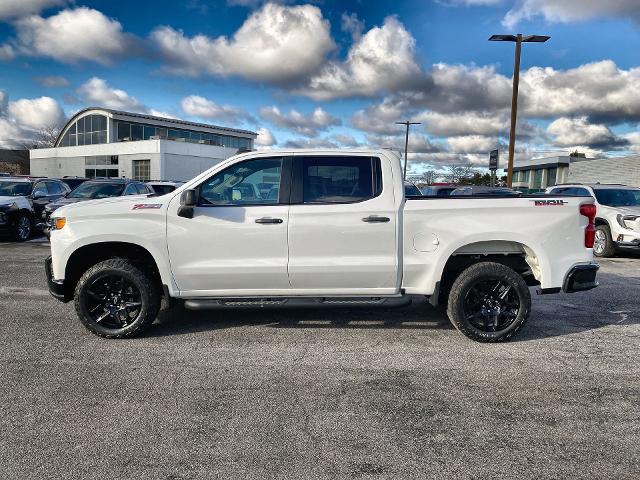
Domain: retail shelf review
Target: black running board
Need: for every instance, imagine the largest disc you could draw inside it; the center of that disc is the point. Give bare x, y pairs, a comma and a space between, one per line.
296, 302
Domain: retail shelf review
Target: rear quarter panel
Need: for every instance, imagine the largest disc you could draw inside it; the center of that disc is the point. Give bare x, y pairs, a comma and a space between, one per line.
435, 228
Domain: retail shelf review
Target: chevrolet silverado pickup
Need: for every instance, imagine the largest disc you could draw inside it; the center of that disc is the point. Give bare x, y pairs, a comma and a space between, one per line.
339, 232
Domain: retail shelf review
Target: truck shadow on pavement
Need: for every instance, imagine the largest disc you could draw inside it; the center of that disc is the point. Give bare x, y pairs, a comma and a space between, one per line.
419, 316
613, 304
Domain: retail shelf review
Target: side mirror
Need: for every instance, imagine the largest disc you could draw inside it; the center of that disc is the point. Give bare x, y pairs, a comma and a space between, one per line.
188, 200
38, 195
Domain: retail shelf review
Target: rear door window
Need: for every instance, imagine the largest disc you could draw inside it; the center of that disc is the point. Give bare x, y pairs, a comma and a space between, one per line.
131, 189
54, 188
340, 179
40, 189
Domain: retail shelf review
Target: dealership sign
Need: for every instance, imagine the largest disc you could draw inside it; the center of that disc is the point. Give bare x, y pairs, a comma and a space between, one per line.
493, 160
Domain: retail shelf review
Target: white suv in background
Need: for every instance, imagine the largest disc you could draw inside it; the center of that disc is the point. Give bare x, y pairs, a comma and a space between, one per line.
617, 214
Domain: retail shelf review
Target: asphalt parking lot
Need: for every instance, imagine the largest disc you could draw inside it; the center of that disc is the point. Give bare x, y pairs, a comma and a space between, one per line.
319, 393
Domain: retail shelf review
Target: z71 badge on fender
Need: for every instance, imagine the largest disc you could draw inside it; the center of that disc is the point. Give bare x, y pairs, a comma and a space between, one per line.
144, 206
548, 203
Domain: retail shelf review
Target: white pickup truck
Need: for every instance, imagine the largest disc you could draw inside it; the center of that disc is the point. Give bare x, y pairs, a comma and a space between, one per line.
323, 228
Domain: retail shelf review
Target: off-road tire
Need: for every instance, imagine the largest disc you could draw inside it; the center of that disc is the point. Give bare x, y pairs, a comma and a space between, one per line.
477, 273
609, 247
149, 293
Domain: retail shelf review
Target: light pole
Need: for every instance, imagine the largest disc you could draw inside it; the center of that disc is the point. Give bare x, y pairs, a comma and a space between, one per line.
406, 145
518, 39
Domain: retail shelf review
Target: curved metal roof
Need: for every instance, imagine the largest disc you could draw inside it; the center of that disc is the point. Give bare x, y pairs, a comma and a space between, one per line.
144, 116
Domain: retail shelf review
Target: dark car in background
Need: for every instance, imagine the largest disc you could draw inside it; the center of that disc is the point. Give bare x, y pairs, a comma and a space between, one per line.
95, 190
438, 190
487, 191
23, 200
410, 190
162, 187
73, 182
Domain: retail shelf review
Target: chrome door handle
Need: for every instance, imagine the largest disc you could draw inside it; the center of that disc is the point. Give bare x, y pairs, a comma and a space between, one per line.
268, 220
375, 219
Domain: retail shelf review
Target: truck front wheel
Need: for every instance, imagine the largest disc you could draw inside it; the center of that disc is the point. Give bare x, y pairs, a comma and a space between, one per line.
115, 299
489, 302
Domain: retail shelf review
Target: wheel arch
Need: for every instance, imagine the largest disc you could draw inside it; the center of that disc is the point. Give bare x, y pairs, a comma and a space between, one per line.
601, 221
514, 254
90, 254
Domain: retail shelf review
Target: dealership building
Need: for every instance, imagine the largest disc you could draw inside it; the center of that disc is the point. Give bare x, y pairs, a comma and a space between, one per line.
100, 142
537, 174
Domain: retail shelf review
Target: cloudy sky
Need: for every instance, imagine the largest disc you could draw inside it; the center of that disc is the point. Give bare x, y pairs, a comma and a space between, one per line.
334, 73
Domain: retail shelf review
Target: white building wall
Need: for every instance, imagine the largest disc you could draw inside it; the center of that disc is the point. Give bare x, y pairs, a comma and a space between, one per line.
625, 170
185, 167
169, 160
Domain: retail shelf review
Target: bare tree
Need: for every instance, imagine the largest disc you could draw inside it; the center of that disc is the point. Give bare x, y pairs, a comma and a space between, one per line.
424, 178
43, 138
459, 173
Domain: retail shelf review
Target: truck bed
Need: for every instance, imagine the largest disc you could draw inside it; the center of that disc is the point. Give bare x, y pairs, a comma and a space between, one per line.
547, 230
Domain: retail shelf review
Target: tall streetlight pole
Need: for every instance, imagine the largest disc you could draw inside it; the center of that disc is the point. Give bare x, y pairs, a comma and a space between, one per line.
407, 123
518, 39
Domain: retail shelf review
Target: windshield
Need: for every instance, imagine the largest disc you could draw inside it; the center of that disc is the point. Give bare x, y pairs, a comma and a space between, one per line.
97, 190
163, 189
618, 197
14, 189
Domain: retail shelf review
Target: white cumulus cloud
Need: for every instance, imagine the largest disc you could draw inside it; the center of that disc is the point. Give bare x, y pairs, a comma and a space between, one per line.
575, 132
383, 59
265, 138
10, 9
71, 36
20, 120
310, 125
97, 92
472, 144
198, 106
276, 44
564, 11
37, 112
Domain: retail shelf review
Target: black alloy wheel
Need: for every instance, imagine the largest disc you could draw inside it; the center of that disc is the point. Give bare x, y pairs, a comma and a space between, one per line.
489, 302
117, 298
491, 305
112, 301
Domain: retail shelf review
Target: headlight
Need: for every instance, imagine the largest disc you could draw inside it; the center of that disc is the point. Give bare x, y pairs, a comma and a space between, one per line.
10, 206
622, 219
58, 223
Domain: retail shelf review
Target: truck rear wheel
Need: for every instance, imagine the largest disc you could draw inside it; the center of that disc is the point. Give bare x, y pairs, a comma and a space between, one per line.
115, 299
489, 302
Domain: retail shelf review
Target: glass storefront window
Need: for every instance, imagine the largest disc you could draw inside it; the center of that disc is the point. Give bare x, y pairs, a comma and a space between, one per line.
552, 174
105, 166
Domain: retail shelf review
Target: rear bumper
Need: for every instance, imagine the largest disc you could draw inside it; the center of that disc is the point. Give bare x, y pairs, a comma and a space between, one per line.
56, 287
580, 278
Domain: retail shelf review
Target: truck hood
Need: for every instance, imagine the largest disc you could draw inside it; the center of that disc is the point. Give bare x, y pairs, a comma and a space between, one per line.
106, 205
